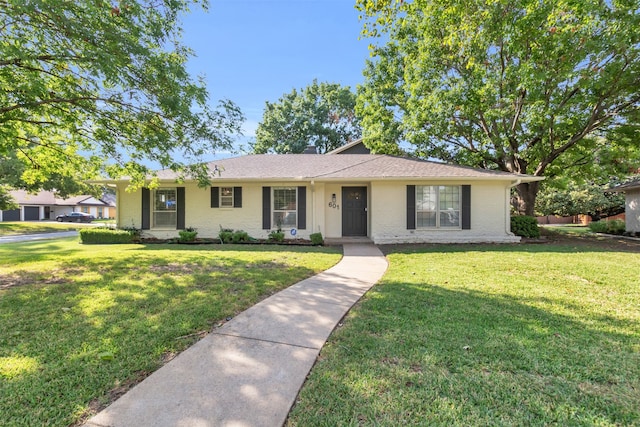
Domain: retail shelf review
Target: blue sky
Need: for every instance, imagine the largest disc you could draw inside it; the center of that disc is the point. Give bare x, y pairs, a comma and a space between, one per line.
252, 51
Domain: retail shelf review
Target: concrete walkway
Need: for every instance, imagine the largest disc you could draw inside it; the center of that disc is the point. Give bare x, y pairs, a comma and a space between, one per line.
248, 372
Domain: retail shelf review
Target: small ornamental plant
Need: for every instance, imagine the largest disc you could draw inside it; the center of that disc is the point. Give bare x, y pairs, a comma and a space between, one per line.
187, 235
316, 239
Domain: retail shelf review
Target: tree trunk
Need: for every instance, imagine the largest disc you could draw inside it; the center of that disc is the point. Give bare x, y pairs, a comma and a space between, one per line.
526, 198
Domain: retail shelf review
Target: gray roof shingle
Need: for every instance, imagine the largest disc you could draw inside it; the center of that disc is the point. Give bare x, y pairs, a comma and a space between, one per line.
340, 167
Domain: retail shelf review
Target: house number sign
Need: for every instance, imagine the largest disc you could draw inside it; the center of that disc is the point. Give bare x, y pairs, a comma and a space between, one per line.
334, 205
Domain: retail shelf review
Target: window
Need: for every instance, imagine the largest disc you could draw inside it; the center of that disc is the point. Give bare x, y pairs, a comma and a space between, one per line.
437, 206
100, 213
226, 197
285, 210
165, 212
84, 209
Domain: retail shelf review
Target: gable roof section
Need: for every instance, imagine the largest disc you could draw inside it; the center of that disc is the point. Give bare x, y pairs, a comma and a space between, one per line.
321, 167
353, 147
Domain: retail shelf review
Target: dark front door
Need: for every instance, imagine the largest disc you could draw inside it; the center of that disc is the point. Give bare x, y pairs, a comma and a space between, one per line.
354, 211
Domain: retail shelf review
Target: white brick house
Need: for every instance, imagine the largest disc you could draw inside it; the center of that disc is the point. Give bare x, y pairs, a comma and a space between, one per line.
385, 198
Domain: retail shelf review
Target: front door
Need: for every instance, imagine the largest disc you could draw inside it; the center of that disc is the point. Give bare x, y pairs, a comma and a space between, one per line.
354, 211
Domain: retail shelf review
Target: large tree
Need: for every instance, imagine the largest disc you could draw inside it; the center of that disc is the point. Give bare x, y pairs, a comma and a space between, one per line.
95, 85
322, 115
512, 85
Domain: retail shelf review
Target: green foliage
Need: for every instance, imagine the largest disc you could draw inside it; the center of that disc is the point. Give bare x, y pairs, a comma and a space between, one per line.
105, 236
508, 85
579, 199
525, 226
616, 226
187, 235
317, 239
322, 114
6, 201
276, 236
240, 236
96, 85
225, 235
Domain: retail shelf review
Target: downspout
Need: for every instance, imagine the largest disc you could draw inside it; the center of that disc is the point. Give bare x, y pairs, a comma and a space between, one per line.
507, 218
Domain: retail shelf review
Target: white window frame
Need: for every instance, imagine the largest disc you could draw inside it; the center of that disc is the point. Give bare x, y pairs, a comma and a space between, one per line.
438, 211
227, 197
156, 211
281, 210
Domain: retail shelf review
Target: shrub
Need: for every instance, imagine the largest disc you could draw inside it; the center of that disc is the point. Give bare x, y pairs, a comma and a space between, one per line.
225, 235
610, 227
106, 236
187, 235
276, 236
616, 226
239, 236
525, 226
316, 239
135, 232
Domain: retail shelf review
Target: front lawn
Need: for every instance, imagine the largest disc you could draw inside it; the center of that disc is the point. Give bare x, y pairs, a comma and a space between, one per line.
538, 334
80, 324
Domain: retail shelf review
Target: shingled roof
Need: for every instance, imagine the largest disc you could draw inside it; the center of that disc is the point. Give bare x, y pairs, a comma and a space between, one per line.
358, 167
633, 185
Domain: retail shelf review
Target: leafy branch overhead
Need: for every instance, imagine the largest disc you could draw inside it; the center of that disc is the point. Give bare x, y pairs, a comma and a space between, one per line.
511, 85
90, 86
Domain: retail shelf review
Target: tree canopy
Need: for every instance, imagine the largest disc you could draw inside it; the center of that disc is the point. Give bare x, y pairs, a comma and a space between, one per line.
93, 86
580, 199
322, 115
512, 85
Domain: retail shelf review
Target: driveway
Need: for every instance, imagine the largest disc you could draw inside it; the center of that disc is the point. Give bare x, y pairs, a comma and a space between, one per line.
39, 236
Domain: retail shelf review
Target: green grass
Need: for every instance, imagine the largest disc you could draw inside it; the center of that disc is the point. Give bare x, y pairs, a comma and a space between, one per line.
13, 228
80, 324
535, 335
568, 229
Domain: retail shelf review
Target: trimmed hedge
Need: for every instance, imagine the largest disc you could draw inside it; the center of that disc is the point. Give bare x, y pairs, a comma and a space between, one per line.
316, 239
105, 236
525, 226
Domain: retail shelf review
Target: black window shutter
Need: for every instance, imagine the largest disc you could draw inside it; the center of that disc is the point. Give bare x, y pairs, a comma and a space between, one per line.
237, 197
466, 207
180, 203
411, 207
266, 208
215, 197
146, 209
302, 208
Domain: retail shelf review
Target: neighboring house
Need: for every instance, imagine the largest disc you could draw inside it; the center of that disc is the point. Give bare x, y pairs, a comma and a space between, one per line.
46, 205
632, 205
387, 199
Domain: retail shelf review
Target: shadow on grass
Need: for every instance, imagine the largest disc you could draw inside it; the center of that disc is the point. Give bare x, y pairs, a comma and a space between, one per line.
555, 243
422, 354
138, 311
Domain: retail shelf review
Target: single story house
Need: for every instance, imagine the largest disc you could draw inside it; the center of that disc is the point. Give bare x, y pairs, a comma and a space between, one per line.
46, 205
385, 198
632, 205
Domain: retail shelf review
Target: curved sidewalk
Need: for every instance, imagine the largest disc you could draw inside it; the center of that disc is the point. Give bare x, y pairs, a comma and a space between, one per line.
248, 372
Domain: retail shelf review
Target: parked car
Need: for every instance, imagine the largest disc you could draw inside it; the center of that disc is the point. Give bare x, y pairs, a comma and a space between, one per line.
75, 217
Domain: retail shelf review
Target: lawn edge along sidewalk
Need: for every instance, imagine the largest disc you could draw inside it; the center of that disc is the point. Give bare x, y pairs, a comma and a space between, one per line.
249, 371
